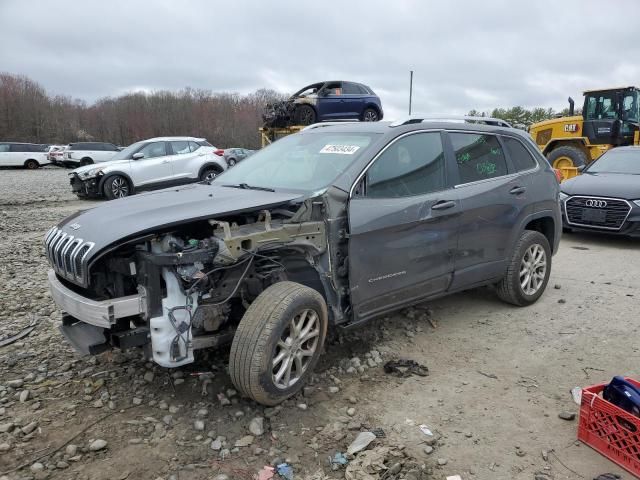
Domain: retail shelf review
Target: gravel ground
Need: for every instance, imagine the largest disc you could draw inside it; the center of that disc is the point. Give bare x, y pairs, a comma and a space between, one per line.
499, 377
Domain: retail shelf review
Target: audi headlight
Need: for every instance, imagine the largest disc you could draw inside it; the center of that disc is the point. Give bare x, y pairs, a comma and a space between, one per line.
563, 196
89, 173
637, 202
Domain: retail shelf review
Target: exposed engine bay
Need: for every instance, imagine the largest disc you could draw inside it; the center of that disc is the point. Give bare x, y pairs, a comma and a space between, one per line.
197, 280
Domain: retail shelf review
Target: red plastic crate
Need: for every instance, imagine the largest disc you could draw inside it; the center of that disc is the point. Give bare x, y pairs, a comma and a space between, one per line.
610, 430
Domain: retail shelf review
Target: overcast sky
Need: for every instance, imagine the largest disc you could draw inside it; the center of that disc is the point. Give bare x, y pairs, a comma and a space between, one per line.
465, 54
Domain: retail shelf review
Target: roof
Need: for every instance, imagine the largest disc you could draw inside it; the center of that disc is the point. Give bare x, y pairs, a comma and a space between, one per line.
608, 89
169, 139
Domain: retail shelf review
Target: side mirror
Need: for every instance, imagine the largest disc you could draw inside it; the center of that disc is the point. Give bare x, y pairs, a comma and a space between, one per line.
137, 156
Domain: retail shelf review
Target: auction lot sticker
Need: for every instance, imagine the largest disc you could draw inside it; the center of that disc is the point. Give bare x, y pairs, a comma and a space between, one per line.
340, 149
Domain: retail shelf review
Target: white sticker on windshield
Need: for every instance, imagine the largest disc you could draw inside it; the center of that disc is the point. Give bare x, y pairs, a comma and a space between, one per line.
340, 149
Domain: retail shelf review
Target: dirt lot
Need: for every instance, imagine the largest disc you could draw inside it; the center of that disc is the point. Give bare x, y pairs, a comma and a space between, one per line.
499, 377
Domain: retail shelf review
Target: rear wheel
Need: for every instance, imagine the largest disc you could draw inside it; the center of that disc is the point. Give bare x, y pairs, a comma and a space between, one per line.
370, 115
31, 164
86, 161
116, 187
278, 342
209, 174
563, 157
305, 115
528, 270
231, 162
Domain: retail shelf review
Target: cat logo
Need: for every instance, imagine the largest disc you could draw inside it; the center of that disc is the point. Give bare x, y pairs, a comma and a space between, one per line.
571, 127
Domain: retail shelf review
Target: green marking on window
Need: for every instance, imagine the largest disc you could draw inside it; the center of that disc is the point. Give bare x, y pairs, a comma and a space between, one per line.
495, 151
486, 168
464, 158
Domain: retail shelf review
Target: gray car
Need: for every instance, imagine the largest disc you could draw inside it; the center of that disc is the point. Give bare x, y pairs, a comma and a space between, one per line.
323, 229
234, 155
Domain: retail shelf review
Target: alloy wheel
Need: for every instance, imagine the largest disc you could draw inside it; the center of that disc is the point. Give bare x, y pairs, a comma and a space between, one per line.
295, 349
533, 269
370, 116
119, 187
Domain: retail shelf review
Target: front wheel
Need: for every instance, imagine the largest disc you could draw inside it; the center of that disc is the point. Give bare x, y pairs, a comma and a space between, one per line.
116, 187
305, 115
528, 270
278, 342
567, 156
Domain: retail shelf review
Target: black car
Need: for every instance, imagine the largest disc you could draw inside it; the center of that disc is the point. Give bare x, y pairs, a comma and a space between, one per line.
318, 102
606, 197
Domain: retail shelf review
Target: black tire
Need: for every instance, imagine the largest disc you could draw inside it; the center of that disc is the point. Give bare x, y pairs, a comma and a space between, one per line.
209, 173
510, 288
116, 186
31, 164
370, 115
304, 115
86, 161
231, 162
259, 338
561, 156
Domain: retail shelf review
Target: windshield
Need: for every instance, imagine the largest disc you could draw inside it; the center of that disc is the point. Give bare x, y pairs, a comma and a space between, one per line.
306, 161
126, 153
617, 161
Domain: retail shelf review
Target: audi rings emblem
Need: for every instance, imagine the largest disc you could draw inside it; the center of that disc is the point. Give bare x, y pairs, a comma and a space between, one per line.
596, 203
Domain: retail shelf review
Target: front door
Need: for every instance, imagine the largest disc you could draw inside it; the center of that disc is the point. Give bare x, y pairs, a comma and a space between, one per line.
331, 102
154, 167
403, 221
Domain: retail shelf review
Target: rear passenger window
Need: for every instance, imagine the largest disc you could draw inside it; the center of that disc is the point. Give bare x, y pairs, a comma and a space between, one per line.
180, 147
4, 147
193, 146
478, 156
520, 156
350, 89
413, 165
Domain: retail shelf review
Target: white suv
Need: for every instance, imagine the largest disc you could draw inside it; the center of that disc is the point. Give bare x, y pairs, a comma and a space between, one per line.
85, 153
155, 163
28, 155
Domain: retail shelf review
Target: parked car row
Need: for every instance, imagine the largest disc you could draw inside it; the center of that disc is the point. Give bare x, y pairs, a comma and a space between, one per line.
27, 155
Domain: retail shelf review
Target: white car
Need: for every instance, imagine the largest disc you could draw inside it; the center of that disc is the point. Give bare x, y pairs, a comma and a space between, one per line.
27, 155
86, 153
55, 154
150, 164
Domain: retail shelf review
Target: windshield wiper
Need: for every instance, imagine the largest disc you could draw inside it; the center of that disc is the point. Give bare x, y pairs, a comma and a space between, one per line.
246, 186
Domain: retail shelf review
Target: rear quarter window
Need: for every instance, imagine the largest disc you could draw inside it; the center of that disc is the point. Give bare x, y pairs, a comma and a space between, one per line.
519, 154
478, 156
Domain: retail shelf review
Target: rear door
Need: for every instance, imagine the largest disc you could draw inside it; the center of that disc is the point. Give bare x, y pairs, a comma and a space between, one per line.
403, 222
17, 154
184, 159
154, 167
493, 199
353, 99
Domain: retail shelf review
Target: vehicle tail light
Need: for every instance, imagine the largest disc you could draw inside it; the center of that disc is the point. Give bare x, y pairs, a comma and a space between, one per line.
559, 175
219, 152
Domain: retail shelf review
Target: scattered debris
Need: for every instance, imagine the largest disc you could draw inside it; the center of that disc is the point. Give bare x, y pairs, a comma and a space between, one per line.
369, 464
378, 432
21, 334
338, 460
586, 370
425, 429
562, 300
488, 375
454, 477
244, 441
576, 394
361, 442
577, 247
266, 473
568, 416
405, 368
285, 471
608, 476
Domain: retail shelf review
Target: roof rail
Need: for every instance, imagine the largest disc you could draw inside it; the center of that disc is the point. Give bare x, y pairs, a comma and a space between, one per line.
328, 124
498, 122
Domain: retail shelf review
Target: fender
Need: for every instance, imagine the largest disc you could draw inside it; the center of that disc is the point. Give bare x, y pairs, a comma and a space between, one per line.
557, 229
111, 174
210, 164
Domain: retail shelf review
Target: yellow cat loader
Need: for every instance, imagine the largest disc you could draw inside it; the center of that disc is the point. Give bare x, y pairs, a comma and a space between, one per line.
610, 118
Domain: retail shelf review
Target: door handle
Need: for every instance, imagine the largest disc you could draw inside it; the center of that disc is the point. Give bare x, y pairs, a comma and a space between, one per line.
443, 205
517, 190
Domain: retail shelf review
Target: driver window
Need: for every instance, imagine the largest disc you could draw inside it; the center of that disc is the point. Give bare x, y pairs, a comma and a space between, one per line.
153, 150
334, 88
413, 165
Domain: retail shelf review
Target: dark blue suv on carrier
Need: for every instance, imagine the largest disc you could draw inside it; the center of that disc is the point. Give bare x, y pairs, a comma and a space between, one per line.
323, 101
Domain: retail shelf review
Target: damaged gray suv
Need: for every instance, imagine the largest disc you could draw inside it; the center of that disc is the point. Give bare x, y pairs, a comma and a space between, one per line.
326, 228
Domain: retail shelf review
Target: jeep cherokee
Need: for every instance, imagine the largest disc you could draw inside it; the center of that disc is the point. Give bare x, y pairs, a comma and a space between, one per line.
328, 227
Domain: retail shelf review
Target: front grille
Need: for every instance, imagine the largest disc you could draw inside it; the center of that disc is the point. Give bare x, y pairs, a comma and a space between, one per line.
67, 254
597, 212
